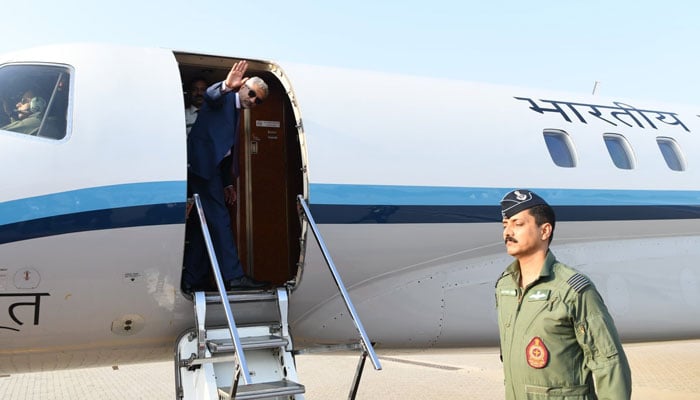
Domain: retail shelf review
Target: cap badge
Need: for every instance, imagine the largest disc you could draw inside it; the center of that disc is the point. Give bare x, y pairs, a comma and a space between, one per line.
520, 196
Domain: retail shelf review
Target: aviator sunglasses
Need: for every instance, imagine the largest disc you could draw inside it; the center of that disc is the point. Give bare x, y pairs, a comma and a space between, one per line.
253, 95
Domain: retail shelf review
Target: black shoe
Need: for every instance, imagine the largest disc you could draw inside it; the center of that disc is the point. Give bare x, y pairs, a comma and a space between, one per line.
245, 282
190, 288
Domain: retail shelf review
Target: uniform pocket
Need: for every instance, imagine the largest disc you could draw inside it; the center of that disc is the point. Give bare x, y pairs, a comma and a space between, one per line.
579, 392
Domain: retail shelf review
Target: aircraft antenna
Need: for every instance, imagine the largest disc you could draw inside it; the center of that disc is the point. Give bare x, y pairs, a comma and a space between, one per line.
595, 86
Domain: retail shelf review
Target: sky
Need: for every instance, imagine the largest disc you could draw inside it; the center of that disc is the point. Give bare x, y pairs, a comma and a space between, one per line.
635, 49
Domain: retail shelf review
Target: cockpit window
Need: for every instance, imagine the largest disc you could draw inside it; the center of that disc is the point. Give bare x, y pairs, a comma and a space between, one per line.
620, 150
34, 99
560, 147
672, 153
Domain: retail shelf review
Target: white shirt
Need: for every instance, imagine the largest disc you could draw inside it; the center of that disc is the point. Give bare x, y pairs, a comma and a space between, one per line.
190, 117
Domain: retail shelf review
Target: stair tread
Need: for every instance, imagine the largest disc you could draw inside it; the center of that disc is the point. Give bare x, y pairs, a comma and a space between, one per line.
264, 389
248, 342
240, 297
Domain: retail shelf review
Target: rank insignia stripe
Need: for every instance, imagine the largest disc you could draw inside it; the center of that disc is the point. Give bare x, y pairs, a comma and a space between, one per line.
578, 282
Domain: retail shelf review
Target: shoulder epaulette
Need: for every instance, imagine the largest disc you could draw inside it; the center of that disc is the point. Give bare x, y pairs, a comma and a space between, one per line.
578, 282
504, 274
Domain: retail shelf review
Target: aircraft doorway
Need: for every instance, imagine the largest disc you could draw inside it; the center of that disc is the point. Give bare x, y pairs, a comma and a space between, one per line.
271, 172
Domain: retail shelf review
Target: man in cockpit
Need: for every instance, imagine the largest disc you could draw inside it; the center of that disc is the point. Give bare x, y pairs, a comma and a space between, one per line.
26, 117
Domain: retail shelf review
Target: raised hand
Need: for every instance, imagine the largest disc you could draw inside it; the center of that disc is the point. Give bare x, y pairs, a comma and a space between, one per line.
234, 79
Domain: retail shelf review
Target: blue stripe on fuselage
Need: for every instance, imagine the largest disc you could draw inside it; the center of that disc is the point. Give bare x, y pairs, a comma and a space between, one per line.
154, 214
323, 193
352, 204
160, 203
105, 207
92, 199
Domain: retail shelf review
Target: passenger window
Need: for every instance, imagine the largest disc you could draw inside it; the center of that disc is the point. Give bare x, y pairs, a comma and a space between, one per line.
34, 99
620, 150
560, 147
672, 153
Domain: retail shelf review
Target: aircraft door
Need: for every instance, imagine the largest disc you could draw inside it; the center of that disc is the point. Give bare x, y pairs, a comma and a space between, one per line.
264, 242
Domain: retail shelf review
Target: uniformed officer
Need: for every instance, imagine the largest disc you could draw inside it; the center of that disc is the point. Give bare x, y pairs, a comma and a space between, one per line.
557, 336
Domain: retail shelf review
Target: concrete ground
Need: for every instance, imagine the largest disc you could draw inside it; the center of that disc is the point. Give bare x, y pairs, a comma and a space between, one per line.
664, 370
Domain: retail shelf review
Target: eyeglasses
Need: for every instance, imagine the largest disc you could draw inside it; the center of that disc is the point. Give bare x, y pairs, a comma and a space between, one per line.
253, 95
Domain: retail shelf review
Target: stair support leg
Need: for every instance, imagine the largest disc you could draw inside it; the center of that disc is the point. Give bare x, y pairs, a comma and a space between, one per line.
358, 376
200, 312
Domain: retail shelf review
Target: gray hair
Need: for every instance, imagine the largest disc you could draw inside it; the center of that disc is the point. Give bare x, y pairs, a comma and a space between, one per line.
258, 82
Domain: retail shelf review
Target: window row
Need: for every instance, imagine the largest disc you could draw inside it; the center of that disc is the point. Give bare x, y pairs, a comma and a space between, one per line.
561, 149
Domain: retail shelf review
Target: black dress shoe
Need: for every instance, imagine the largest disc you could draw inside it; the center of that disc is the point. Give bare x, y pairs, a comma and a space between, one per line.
245, 282
190, 288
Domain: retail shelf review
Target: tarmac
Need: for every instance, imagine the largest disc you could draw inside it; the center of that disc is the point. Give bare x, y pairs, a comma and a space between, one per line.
660, 370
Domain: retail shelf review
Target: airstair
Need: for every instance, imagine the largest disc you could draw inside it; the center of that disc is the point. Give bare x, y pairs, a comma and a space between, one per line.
240, 346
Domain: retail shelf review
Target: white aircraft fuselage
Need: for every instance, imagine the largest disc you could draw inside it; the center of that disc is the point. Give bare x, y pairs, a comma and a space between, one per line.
403, 176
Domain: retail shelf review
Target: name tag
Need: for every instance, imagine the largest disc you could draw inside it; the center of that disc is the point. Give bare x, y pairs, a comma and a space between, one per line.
509, 292
538, 295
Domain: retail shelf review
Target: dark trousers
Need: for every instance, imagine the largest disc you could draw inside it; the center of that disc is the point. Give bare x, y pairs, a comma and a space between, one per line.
196, 259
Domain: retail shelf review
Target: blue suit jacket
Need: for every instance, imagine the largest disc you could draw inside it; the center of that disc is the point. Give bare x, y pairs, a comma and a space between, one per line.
214, 133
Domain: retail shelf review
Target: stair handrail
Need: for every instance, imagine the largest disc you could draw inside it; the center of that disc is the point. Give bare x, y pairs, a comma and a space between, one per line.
339, 283
233, 330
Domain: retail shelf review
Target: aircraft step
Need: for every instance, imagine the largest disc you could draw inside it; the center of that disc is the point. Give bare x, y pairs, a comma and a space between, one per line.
217, 346
242, 296
220, 345
263, 390
249, 307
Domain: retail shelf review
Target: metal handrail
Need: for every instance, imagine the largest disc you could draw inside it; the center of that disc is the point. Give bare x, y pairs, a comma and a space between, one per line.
341, 287
222, 292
